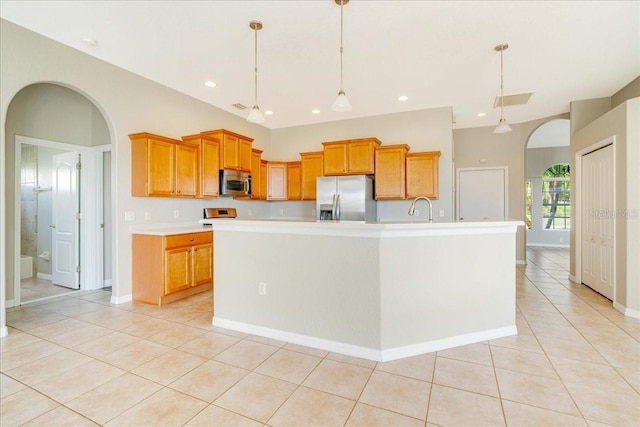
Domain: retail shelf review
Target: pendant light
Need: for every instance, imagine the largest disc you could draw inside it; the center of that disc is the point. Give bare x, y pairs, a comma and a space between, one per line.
255, 116
341, 103
502, 127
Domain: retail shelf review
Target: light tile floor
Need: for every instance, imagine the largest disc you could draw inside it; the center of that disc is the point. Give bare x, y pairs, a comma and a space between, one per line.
79, 360
33, 289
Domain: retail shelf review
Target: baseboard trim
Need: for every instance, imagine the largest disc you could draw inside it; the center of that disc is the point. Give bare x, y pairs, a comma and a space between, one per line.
44, 276
550, 245
9, 303
635, 314
120, 300
106, 283
573, 278
4, 331
365, 352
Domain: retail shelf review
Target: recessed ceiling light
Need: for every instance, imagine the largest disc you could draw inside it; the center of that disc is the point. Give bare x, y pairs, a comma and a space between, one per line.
210, 84
89, 41
268, 112
403, 98
481, 114
316, 111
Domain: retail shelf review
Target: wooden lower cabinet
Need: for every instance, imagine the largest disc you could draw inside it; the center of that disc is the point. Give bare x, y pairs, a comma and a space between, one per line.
166, 268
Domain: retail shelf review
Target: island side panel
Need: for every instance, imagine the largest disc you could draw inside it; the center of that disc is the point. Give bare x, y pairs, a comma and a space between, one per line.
441, 287
324, 287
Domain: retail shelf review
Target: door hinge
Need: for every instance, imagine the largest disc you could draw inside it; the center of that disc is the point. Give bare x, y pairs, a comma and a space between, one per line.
78, 215
78, 269
78, 165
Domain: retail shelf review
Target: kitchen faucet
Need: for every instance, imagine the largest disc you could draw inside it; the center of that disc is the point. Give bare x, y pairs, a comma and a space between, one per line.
412, 209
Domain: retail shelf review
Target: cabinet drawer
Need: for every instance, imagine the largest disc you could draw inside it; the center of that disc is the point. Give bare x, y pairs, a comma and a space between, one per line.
190, 239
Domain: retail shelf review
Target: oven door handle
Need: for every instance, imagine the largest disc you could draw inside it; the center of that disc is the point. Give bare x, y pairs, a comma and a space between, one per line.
246, 186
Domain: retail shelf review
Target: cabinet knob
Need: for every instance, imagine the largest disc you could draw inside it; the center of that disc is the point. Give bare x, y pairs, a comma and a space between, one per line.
191, 239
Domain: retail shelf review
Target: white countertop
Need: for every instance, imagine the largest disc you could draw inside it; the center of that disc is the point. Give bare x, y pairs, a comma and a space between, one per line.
164, 230
361, 228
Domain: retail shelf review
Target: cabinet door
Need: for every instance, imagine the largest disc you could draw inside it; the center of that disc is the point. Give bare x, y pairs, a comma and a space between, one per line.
256, 161
161, 168
244, 149
335, 159
229, 153
263, 179
311, 168
390, 172
277, 181
294, 181
186, 170
202, 264
360, 157
209, 168
422, 174
177, 266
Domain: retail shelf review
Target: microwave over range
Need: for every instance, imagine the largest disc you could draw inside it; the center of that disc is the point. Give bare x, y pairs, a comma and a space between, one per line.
234, 183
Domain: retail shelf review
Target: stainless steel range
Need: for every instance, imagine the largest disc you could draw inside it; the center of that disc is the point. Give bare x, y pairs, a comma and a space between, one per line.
211, 213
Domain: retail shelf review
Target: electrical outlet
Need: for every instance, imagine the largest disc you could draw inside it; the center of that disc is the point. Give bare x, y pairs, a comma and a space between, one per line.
147, 216
249, 212
313, 212
129, 216
176, 214
281, 212
262, 288
441, 213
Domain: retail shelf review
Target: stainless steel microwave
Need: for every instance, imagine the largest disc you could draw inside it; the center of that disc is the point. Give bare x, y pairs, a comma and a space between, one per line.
234, 183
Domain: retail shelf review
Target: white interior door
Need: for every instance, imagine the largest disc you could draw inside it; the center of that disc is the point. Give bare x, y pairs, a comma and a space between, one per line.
482, 194
64, 227
598, 220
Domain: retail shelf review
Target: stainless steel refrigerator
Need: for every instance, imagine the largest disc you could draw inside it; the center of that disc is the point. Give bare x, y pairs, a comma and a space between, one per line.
345, 198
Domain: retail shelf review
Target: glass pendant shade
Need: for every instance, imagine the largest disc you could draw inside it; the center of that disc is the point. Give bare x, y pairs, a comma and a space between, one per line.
503, 126
341, 103
255, 116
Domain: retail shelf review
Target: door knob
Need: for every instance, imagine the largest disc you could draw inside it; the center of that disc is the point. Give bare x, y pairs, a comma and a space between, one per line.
52, 226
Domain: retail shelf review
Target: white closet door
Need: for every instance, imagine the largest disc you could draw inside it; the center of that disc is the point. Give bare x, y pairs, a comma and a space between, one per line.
598, 220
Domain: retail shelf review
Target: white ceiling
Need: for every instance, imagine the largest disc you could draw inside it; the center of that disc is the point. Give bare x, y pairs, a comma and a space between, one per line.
438, 53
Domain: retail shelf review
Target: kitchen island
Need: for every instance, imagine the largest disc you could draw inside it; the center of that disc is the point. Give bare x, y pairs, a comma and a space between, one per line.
380, 291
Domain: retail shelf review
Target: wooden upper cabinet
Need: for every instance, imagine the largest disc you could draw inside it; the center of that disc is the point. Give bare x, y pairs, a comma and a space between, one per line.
163, 166
422, 174
263, 179
256, 160
390, 171
235, 149
276, 181
350, 157
294, 181
311, 165
186, 170
208, 164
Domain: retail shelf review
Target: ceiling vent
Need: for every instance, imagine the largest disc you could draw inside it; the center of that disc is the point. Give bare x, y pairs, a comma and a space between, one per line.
515, 99
240, 106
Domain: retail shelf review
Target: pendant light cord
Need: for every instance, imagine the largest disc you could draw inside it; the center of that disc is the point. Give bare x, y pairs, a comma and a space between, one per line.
501, 86
255, 32
341, 49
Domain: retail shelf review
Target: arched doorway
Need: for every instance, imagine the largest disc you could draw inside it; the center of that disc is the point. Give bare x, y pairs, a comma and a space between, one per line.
547, 189
52, 119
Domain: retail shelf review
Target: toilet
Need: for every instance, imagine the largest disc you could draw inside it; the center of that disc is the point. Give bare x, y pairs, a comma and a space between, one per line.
26, 267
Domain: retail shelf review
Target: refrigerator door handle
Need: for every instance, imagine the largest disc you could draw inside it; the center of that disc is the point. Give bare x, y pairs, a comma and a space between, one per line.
333, 207
337, 216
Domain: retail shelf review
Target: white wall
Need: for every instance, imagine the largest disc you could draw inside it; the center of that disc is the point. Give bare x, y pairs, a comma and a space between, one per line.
622, 123
422, 130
